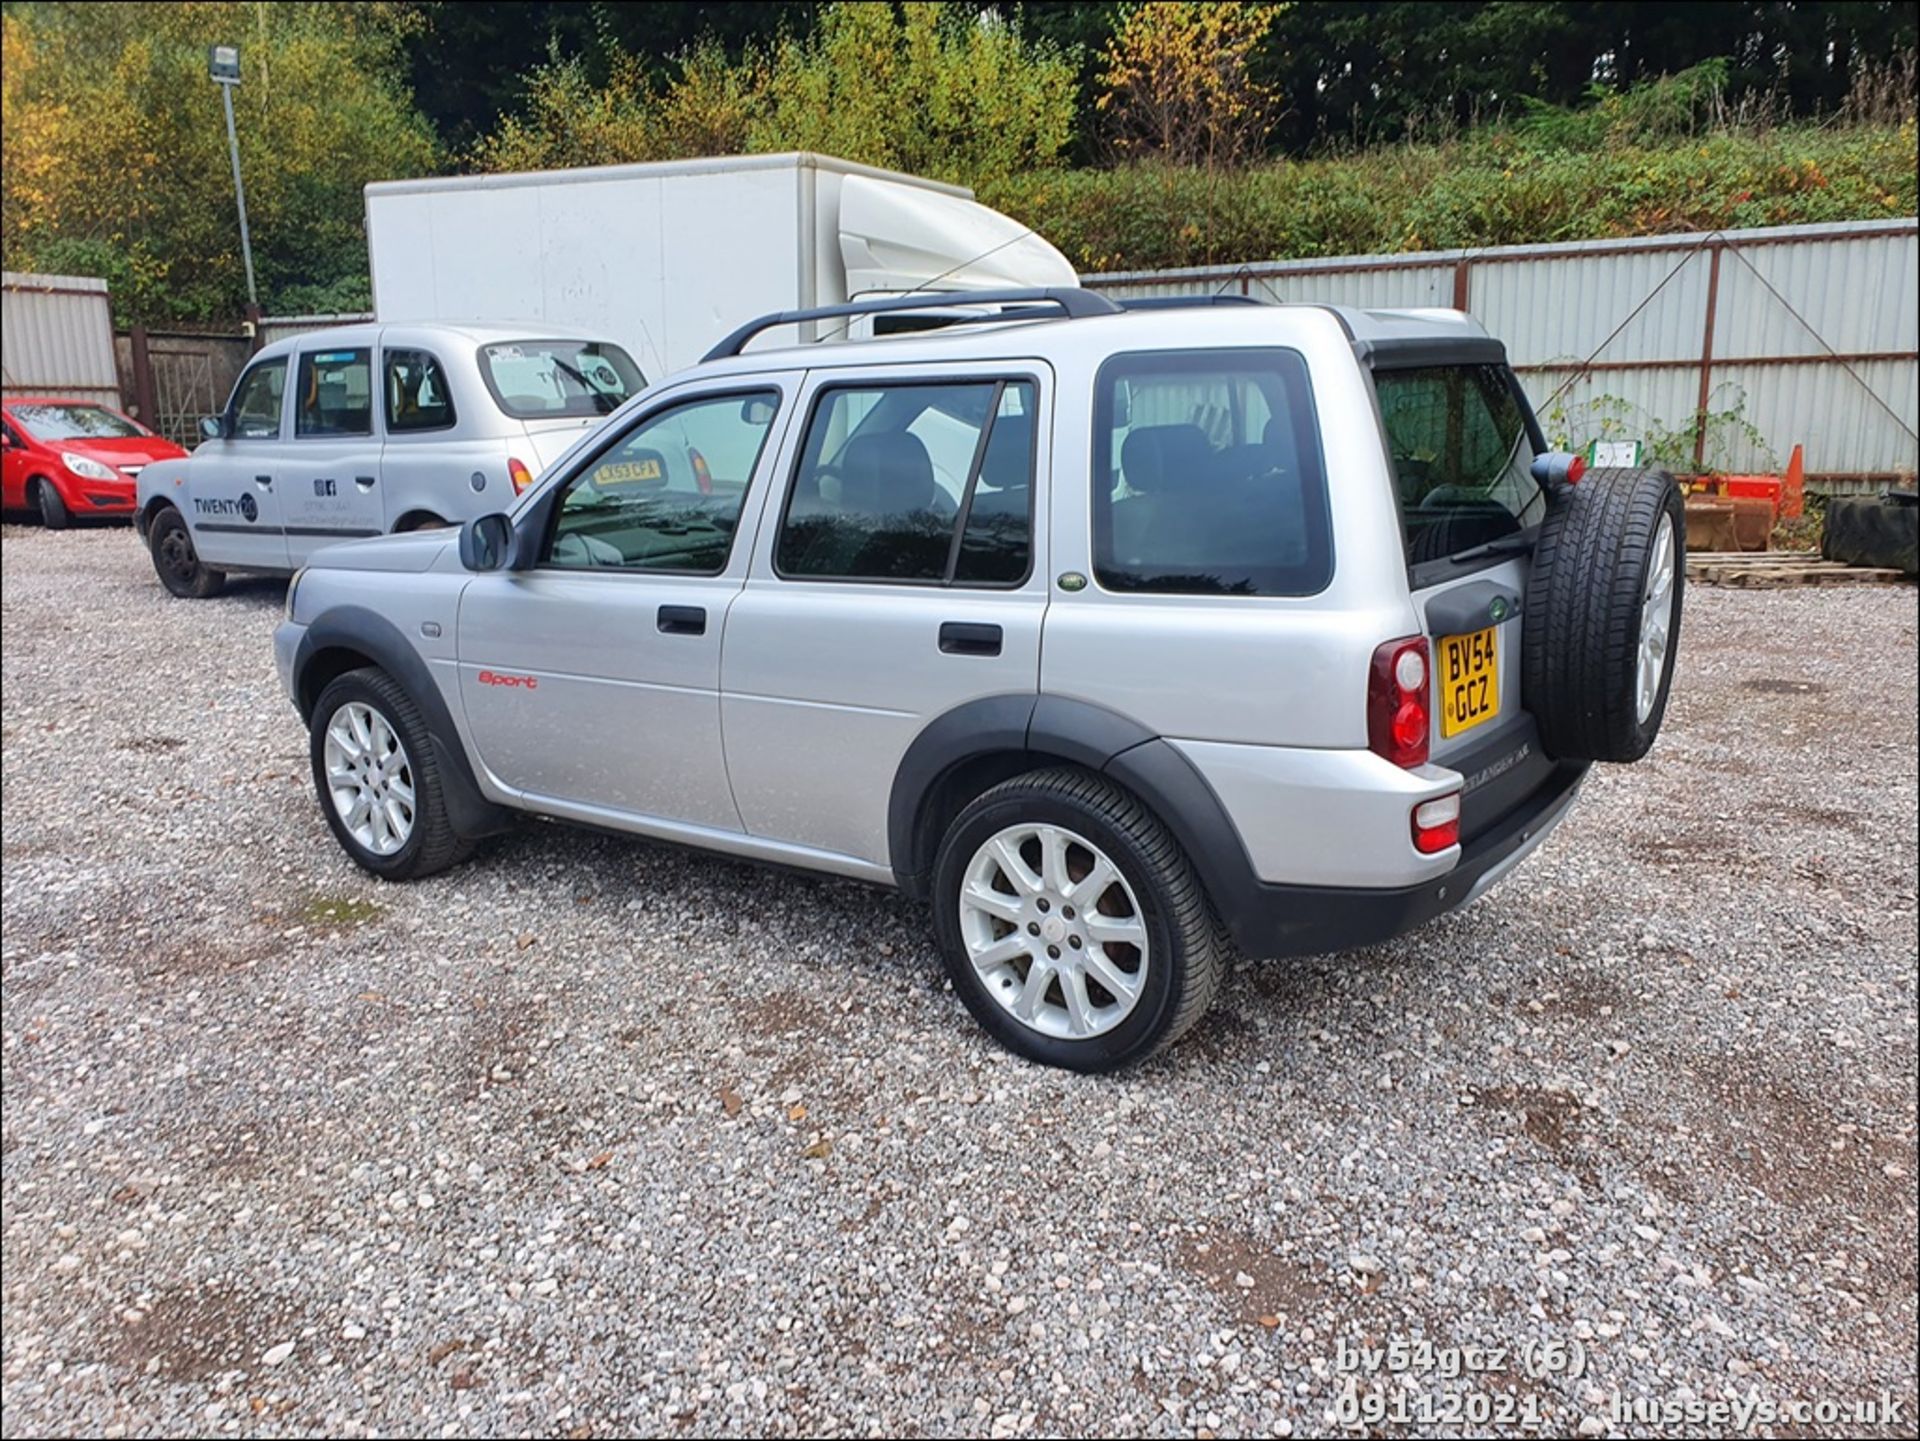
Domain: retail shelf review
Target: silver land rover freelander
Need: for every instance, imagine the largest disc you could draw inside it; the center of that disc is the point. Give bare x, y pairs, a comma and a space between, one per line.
366, 429
1124, 637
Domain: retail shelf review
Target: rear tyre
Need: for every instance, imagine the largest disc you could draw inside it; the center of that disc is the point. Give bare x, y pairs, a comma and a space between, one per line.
54, 514
421, 521
1602, 616
176, 562
377, 777
1071, 923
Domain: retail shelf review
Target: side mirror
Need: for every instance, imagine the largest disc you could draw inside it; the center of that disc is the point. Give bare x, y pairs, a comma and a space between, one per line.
757, 410
213, 427
486, 542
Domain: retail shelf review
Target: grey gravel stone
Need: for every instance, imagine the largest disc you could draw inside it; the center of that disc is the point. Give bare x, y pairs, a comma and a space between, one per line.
698, 1139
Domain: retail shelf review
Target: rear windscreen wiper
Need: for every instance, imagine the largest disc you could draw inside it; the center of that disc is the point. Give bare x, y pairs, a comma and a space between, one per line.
1506, 545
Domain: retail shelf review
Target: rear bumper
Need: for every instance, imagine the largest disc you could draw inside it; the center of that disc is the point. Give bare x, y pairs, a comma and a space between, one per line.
1282, 920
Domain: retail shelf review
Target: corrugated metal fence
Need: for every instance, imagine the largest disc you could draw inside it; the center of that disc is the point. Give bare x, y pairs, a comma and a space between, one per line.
56, 337
279, 327
1801, 334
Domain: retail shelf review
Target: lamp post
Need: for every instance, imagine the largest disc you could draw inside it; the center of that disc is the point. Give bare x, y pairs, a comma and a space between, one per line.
223, 68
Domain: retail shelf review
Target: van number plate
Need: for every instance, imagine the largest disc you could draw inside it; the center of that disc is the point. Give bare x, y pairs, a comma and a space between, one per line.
1469, 681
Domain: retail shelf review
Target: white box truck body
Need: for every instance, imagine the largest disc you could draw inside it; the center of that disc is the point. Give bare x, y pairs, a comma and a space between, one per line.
666, 259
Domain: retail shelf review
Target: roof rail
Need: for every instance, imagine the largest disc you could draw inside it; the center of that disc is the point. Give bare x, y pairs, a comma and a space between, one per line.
1188, 302
1073, 302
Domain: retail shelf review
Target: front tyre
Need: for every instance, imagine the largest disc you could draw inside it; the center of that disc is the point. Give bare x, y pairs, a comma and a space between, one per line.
1071, 923
54, 514
177, 563
378, 779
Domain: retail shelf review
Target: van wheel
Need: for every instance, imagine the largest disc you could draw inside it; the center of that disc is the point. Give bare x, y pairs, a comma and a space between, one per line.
1602, 616
54, 514
1072, 924
177, 563
378, 779
421, 520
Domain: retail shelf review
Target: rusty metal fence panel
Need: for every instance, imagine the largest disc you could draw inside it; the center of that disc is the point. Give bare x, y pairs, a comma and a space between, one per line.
1741, 343
56, 337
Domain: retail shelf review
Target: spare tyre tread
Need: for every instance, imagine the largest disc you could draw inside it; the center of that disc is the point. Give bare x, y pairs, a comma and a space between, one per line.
1580, 643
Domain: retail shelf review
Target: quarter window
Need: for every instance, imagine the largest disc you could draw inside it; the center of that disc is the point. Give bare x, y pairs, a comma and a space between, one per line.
335, 395
416, 391
256, 401
667, 495
1209, 475
931, 483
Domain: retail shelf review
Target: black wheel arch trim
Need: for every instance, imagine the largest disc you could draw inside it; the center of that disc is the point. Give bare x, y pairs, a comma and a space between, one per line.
1265, 919
1085, 734
357, 629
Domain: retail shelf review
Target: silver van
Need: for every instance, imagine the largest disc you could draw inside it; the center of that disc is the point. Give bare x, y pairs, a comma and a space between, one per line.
363, 430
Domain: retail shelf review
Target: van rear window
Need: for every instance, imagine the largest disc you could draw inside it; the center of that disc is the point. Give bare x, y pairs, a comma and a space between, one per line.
1208, 475
1462, 457
555, 379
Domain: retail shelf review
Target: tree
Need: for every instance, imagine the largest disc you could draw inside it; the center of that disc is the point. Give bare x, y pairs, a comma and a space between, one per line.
944, 90
1180, 85
117, 151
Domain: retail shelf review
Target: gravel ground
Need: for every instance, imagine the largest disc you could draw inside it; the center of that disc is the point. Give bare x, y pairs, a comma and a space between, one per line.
593, 1137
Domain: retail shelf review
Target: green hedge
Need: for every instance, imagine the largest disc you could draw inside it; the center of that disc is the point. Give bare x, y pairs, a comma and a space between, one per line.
1492, 189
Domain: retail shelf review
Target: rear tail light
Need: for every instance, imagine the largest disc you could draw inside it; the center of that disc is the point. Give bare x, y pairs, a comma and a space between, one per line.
1399, 718
1436, 824
702, 473
518, 473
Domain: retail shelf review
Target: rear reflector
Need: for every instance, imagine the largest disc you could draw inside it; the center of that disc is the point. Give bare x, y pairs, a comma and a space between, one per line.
1399, 720
1436, 824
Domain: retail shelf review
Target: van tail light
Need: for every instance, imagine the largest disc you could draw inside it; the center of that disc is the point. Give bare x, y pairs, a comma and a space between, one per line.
1436, 824
702, 473
518, 473
1399, 716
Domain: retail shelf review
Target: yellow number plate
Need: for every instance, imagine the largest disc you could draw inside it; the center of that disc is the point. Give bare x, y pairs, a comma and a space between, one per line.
1469, 681
627, 472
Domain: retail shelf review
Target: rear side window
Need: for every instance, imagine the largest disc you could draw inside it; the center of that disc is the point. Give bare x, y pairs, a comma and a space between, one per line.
925, 482
1462, 457
556, 379
256, 401
416, 391
666, 496
1208, 475
335, 395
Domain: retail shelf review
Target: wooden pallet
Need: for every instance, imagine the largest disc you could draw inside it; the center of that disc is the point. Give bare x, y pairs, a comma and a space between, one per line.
1770, 569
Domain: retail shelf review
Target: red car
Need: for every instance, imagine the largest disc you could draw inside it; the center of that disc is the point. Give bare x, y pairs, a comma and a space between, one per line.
73, 458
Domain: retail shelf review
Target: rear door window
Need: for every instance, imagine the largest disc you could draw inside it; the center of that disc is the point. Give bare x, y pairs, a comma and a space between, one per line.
1209, 477
927, 482
416, 392
1462, 457
335, 395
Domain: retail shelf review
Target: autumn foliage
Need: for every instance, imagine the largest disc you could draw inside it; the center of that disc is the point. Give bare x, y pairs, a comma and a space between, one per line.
1179, 82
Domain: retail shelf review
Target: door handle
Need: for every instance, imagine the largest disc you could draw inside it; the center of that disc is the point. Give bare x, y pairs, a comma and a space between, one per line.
265, 482
960, 637
683, 620
365, 482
